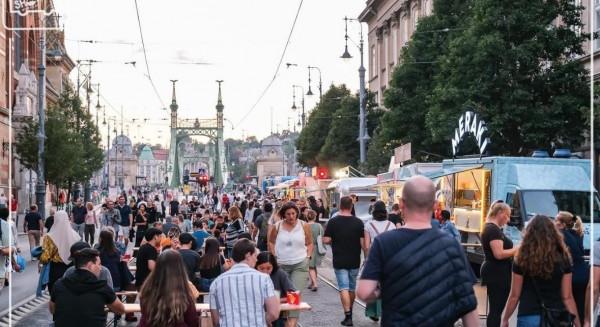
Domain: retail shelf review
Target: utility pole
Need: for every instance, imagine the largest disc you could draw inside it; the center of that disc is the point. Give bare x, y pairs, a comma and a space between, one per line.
40, 190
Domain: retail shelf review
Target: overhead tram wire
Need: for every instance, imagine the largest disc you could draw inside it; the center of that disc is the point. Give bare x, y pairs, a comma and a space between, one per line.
278, 66
137, 11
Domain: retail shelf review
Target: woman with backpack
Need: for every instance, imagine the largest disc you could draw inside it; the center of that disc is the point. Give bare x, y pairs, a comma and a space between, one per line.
291, 241
315, 261
541, 279
377, 225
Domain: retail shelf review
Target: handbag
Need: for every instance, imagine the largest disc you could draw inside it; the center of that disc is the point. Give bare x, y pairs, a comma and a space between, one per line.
320, 246
551, 317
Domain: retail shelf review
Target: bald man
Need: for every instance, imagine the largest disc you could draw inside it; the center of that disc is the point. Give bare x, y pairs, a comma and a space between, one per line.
420, 273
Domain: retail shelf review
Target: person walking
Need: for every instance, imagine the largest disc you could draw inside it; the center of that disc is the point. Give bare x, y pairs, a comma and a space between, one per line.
49, 221
420, 273
147, 254
255, 303
81, 296
541, 276
166, 297
315, 261
377, 225
111, 217
571, 228
200, 233
91, 223
291, 241
14, 206
266, 263
33, 227
78, 214
234, 229
261, 227
141, 224
498, 252
8, 244
346, 234
126, 222
56, 247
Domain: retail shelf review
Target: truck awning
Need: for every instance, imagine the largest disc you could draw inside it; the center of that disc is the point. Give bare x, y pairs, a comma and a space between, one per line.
450, 170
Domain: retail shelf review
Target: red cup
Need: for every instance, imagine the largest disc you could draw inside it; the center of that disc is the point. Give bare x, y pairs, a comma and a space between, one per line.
293, 297
126, 257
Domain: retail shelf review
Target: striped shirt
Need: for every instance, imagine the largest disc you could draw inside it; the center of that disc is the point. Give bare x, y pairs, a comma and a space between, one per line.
239, 296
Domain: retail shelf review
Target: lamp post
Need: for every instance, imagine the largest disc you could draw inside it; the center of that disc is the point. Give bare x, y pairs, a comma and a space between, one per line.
303, 116
309, 93
40, 188
363, 135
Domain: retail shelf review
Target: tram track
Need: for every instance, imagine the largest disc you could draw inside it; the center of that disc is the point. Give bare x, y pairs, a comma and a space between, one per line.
22, 309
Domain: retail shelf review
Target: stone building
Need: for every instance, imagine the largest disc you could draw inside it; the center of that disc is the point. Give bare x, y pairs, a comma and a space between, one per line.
271, 160
151, 170
122, 164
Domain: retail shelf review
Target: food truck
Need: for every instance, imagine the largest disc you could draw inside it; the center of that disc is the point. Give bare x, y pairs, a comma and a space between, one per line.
362, 187
389, 185
536, 185
529, 185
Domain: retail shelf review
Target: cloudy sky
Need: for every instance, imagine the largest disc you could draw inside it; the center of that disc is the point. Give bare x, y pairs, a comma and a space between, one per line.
198, 42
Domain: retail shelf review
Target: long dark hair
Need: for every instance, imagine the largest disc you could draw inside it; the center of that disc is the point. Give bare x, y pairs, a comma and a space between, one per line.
542, 248
265, 257
106, 242
212, 254
165, 295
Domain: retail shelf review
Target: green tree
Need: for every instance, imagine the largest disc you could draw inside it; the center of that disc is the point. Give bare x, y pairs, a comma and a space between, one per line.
72, 147
515, 66
411, 85
313, 136
341, 147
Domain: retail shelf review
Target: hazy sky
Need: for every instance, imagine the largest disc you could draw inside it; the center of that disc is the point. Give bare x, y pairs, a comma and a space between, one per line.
241, 41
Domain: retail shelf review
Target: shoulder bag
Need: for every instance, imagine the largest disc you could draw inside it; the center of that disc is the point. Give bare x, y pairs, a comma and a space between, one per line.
320, 246
550, 317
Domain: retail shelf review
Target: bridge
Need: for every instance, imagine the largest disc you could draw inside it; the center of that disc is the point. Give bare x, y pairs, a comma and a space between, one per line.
184, 128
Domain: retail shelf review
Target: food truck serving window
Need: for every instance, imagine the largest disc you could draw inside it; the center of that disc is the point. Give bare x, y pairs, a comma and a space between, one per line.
468, 189
550, 202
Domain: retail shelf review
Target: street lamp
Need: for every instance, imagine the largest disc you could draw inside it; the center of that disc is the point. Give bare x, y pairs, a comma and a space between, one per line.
303, 116
309, 93
363, 135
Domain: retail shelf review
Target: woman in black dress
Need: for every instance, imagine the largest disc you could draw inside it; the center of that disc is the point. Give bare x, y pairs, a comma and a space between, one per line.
497, 266
141, 221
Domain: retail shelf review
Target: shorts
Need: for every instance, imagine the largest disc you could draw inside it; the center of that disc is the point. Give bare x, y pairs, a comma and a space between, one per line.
346, 279
125, 231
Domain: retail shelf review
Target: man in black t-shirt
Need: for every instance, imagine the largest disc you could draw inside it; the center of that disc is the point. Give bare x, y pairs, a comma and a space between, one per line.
147, 254
174, 207
33, 227
191, 258
80, 297
78, 217
415, 270
126, 219
346, 233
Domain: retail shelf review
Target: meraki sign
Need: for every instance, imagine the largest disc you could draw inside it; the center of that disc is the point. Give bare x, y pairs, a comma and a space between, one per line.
470, 123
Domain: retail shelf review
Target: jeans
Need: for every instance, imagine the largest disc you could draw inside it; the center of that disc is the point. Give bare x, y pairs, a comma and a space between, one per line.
34, 239
79, 228
298, 274
346, 279
90, 231
528, 321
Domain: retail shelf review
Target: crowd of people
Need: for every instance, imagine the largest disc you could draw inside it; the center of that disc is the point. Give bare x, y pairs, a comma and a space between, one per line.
245, 254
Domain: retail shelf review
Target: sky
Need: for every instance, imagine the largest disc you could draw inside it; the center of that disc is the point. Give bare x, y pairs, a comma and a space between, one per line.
240, 42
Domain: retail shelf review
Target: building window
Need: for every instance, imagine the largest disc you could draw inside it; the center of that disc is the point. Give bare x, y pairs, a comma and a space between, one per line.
373, 68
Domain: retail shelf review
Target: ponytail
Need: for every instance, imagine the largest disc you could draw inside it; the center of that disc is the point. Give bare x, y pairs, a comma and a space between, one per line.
571, 221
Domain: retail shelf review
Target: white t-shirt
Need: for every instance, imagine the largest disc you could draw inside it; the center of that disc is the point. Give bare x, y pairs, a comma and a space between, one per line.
375, 227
